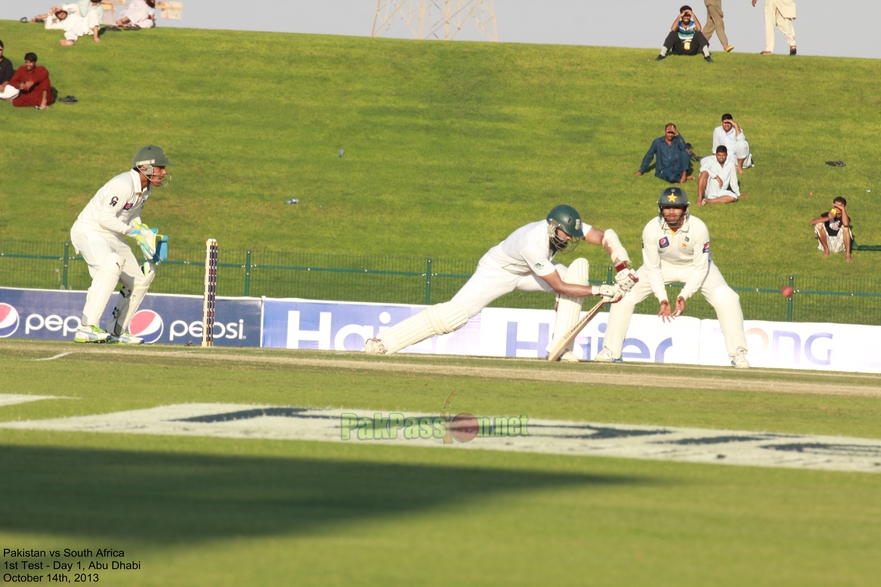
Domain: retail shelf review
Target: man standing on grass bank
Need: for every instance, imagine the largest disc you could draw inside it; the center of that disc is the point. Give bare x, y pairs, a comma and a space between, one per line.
780, 13
671, 156
716, 22
676, 249
833, 230
113, 213
523, 261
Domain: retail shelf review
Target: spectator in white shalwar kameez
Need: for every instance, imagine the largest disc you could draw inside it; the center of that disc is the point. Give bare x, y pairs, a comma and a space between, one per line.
717, 183
731, 135
140, 14
67, 18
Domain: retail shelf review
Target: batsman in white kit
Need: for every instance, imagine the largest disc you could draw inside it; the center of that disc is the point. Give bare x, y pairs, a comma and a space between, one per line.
676, 249
523, 261
98, 235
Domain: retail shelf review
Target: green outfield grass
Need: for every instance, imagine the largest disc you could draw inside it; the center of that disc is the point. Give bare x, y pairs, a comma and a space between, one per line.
203, 511
448, 146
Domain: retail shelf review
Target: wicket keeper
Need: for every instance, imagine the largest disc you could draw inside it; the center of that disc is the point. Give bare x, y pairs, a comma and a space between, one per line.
98, 235
522, 261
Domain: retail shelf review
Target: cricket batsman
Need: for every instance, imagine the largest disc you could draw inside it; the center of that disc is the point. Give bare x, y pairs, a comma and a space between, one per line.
676, 249
98, 235
523, 261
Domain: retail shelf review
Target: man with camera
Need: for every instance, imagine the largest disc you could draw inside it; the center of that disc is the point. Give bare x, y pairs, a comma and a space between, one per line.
685, 37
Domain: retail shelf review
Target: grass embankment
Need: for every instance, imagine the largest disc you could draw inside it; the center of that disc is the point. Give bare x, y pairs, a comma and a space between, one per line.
448, 146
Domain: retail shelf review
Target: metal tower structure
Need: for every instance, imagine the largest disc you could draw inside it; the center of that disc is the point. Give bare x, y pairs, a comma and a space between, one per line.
436, 19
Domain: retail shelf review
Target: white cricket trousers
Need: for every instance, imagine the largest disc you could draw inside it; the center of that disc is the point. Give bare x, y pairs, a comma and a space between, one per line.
95, 246
714, 288
491, 281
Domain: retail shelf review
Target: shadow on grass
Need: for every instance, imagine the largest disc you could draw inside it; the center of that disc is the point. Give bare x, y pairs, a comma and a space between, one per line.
167, 498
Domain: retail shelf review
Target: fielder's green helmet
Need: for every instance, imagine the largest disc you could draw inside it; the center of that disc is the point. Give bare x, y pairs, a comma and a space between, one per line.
150, 155
673, 198
567, 219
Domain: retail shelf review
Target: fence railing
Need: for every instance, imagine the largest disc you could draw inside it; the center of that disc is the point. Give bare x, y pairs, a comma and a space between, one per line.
410, 280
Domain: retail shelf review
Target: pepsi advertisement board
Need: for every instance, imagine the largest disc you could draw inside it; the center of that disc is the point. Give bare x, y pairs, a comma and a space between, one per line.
162, 318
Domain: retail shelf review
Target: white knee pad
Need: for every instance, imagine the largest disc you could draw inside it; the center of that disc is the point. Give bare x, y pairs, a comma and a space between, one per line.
129, 301
103, 284
569, 307
436, 320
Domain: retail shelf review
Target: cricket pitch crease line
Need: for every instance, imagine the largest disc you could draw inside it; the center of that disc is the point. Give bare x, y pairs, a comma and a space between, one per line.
569, 438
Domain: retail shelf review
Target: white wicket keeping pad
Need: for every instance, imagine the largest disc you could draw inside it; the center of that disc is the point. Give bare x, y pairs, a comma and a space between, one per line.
693, 445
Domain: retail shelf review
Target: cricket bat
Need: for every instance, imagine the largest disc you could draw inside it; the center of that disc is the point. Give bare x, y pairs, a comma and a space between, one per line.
562, 342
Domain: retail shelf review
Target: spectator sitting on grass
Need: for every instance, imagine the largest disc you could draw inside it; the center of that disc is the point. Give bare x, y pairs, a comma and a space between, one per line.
685, 37
717, 183
68, 19
7, 70
140, 14
671, 156
731, 135
32, 81
833, 230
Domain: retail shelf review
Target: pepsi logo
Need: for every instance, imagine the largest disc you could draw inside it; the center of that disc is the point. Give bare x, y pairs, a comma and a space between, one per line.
148, 325
9, 320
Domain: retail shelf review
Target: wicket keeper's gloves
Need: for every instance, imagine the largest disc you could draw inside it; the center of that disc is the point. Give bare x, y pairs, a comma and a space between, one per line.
153, 245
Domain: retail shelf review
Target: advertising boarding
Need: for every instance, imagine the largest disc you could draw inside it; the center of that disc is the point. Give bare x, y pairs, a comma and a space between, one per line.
162, 318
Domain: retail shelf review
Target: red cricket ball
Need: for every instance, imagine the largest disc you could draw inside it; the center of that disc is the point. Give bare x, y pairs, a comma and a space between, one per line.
787, 291
464, 427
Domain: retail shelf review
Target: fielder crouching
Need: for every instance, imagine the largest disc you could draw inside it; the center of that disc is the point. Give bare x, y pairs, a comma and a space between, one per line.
523, 261
113, 213
676, 249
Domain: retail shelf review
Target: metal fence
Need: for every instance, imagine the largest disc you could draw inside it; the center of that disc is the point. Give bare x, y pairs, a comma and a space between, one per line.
408, 280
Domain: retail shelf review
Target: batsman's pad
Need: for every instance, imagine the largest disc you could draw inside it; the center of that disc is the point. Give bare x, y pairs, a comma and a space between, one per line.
129, 301
103, 284
568, 307
611, 240
435, 321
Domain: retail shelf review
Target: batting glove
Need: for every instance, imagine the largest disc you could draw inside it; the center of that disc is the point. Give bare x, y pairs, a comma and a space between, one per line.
611, 293
625, 278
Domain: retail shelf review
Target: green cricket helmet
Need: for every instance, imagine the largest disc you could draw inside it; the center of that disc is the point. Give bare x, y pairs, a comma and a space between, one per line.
150, 155
673, 198
567, 219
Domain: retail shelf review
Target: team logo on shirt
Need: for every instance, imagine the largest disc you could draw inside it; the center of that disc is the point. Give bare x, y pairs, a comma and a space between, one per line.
128, 206
538, 265
664, 243
707, 247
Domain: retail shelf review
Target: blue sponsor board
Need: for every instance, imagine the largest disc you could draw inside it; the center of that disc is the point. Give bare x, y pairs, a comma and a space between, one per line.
307, 324
162, 318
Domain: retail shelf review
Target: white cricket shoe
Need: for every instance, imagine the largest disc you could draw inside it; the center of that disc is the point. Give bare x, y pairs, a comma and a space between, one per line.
739, 361
374, 346
90, 334
125, 338
605, 356
568, 357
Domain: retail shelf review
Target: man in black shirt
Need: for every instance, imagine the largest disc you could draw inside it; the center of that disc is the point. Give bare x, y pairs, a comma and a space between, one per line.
6, 73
